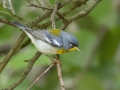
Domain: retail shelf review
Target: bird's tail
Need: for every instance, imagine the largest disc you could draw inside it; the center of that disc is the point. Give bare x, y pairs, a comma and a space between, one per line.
21, 26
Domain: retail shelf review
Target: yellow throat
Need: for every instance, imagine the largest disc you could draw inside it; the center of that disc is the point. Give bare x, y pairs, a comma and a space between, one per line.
63, 50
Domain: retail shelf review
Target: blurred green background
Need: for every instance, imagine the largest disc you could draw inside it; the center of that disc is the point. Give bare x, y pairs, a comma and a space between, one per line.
96, 67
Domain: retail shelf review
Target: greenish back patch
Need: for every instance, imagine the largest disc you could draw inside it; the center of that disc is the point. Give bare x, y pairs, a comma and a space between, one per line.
55, 31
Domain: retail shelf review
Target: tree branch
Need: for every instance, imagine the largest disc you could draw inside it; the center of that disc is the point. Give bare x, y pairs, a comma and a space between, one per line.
84, 12
41, 76
6, 22
52, 18
62, 15
11, 53
25, 73
81, 14
37, 6
10, 7
60, 76
23, 45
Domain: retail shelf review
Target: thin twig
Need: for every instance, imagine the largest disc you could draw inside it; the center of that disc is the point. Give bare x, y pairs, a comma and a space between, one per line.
40, 18
38, 2
63, 3
10, 7
52, 18
56, 61
39, 6
59, 64
47, 13
26, 72
11, 53
23, 45
6, 22
28, 1
81, 14
60, 76
41, 76
50, 57
85, 11
47, 3
34, 5
62, 15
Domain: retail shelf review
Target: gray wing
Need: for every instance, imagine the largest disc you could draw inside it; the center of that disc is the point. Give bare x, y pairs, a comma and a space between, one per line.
45, 36
37, 34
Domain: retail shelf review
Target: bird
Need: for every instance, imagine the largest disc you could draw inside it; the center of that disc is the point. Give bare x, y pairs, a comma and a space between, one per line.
50, 41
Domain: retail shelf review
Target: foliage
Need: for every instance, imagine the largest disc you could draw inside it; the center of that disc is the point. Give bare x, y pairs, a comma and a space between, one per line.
96, 67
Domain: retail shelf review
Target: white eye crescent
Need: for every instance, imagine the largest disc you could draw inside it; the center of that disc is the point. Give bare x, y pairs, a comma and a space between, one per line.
71, 44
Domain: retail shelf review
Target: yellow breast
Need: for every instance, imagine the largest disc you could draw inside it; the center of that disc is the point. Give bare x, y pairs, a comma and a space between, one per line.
61, 51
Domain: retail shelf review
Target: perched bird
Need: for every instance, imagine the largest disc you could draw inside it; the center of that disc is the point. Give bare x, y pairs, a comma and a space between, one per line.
51, 41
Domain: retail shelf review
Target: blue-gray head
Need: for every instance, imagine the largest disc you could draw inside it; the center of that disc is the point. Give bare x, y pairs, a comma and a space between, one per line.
69, 41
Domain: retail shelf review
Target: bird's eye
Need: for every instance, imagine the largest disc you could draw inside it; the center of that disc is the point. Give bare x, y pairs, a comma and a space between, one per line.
71, 44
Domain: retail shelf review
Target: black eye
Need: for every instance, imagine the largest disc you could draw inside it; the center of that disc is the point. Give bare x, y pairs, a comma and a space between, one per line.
71, 44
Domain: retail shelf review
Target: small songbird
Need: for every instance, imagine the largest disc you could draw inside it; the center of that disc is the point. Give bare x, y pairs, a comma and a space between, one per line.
51, 41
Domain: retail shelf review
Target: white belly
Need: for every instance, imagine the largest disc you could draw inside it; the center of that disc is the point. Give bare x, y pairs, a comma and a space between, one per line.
42, 46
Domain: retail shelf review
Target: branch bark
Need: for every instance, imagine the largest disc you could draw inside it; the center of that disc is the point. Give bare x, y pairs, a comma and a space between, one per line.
60, 76
52, 18
81, 14
11, 53
26, 72
41, 76
84, 12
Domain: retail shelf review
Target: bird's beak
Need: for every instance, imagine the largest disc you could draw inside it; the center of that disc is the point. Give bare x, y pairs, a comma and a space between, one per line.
77, 48
74, 48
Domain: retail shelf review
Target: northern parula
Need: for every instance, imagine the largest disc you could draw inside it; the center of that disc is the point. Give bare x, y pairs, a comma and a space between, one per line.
51, 41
